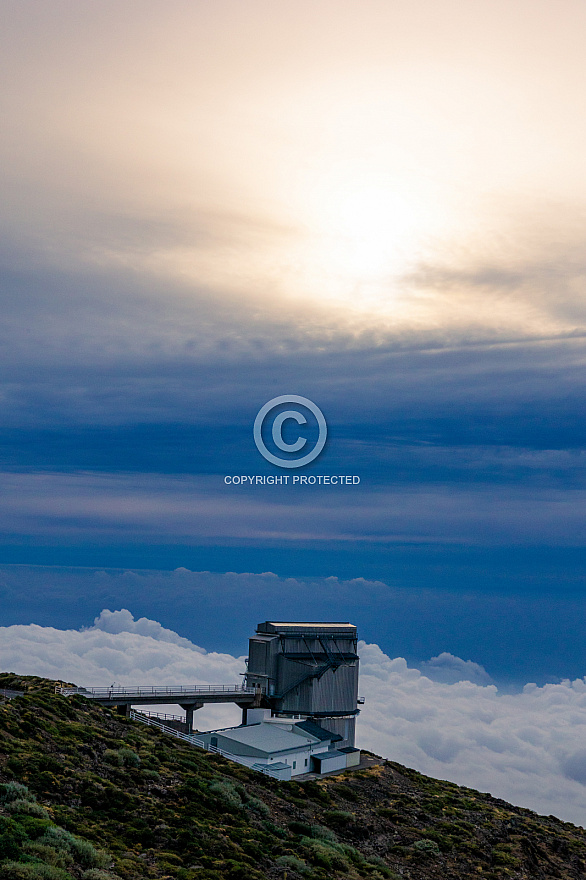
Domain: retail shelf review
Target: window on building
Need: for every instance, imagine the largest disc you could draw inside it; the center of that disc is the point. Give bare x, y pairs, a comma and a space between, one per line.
214, 741
294, 764
306, 762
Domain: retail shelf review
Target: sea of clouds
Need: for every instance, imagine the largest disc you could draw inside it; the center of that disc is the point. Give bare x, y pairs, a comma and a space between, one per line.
445, 719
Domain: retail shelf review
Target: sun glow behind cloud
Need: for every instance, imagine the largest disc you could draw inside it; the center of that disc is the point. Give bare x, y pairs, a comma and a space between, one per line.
341, 167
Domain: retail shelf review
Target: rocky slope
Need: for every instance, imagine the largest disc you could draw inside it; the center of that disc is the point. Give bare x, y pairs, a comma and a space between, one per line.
87, 794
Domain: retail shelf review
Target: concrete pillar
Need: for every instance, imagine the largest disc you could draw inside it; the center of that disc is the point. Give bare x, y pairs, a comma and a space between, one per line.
190, 708
124, 709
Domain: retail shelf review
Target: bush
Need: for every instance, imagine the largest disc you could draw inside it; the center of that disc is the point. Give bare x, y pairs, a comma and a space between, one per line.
128, 757
301, 828
321, 833
383, 868
34, 871
325, 854
34, 827
58, 838
346, 792
338, 818
257, 806
12, 837
98, 874
27, 808
88, 856
49, 855
112, 756
429, 847
84, 852
292, 862
225, 791
12, 791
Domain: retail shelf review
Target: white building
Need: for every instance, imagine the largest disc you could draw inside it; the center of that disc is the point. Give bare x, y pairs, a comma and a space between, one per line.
287, 747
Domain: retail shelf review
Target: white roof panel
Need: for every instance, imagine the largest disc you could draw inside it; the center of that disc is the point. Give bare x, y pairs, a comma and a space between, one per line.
267, 737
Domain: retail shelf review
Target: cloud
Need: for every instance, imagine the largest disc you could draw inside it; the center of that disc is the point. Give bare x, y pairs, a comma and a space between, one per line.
509, 620
526, 747
449, 669
122, 650
202, 508
123, 622
136, 234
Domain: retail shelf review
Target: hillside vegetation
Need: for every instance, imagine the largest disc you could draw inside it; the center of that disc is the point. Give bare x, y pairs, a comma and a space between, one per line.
90, 795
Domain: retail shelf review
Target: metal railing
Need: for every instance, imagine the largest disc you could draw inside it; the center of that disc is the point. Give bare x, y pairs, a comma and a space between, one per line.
164, 716
111, 693
9, 694
251, 763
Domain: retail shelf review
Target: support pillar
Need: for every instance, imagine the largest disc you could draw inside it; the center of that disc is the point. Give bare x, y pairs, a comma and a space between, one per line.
190, 708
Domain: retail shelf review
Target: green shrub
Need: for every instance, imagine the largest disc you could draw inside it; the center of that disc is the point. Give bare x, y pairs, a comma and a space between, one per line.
98, 874
338, 818
58, 838
224, 791
275, 830
84, 852
12, 791
33, 871
346, 792
28, 808
325, 854
426, 846
88, 856
49, 855
503, 856
321, 833
300, 828
34, 827
257, 806
12, 837
292, 862
112, 756
128, 757
383, 868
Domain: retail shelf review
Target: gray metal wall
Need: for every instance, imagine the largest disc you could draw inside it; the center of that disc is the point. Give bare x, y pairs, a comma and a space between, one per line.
311, 671
344, 727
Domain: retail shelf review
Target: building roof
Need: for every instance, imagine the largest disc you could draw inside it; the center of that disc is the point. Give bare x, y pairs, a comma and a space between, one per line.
315, 730
267, 737
276, 765
270, 626
331, 753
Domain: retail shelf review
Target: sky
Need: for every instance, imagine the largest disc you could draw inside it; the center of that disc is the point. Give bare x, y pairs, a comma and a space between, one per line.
376, 206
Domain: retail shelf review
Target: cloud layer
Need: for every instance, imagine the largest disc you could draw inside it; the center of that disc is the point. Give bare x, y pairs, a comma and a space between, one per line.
512, 633
527, 748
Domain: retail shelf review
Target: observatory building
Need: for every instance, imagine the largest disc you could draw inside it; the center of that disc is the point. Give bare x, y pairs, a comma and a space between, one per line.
299, 702
307, 670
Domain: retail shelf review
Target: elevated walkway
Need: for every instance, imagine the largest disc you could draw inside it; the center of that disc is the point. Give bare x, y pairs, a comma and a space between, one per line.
189, 697
9, 694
